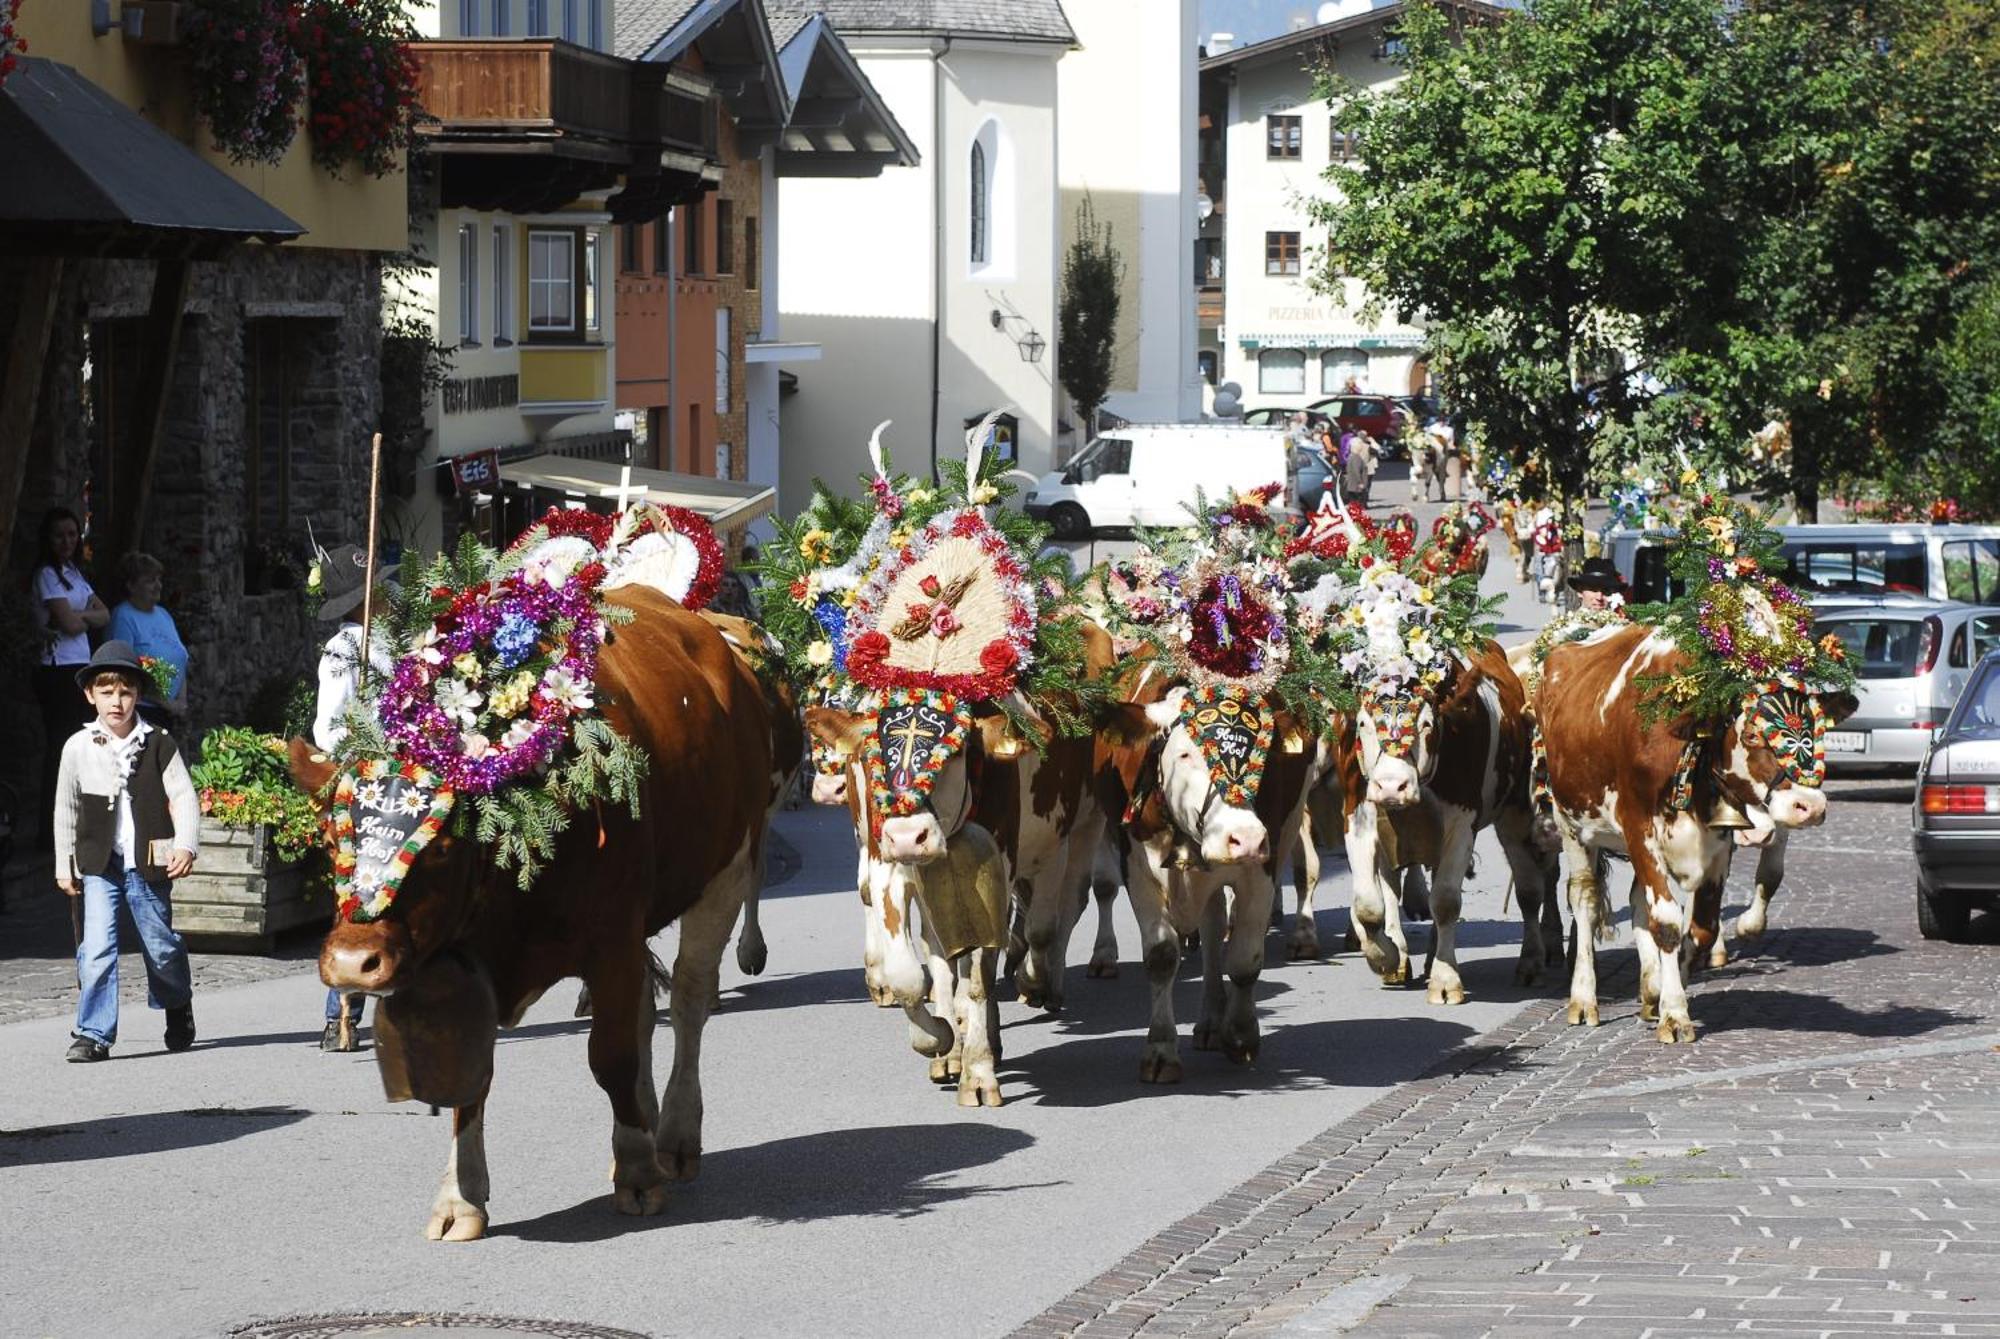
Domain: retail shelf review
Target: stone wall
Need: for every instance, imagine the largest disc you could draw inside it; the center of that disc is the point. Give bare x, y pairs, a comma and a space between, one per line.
209, 501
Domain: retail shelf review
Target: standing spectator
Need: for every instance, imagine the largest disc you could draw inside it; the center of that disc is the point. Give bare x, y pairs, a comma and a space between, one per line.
344, 579
126, 823
68, 611
141, 620
1358, 470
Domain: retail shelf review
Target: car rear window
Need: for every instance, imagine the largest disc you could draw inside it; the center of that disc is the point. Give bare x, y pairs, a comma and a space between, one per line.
1848, 567
1880, 648
1978, 712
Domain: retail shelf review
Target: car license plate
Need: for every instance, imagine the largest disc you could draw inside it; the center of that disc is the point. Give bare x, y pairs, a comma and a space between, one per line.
1847, 741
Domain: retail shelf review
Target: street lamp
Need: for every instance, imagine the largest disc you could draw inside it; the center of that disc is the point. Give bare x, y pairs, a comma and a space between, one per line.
1031, 344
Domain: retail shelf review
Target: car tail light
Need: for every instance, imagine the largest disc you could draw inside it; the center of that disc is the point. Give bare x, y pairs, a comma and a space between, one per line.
1961, 799
1927, 722
1927, 649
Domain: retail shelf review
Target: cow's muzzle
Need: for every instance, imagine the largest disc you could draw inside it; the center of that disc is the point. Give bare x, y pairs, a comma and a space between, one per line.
1797, 807
1393, 783
829, 788
364, 958
912, 839
1236, 838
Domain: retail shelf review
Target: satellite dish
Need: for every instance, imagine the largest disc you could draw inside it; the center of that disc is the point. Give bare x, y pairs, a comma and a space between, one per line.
1228, 404
1204, 207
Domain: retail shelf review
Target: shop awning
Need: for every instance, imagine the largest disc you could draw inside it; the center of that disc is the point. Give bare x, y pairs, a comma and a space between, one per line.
1339, 339
88, 176
726, 503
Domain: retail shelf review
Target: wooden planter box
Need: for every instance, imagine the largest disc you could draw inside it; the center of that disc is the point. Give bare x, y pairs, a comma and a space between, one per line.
241, 896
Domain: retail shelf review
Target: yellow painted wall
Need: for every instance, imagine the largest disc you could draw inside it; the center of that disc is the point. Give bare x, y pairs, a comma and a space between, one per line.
564, 375
352, 212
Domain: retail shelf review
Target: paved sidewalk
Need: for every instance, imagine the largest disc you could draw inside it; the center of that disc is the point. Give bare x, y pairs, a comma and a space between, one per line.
1825, 1160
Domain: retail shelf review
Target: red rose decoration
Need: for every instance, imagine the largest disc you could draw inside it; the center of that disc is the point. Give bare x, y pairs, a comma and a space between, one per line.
869, 649
931, 586
999, 657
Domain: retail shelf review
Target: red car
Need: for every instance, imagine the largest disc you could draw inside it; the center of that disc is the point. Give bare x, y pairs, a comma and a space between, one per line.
1376, 415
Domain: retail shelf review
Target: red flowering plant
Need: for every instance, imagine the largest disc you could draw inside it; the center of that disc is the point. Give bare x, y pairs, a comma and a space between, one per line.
247, 78
12, 45
361, 82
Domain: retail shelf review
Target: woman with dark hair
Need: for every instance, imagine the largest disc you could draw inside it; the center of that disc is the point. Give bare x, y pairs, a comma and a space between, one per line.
68, 611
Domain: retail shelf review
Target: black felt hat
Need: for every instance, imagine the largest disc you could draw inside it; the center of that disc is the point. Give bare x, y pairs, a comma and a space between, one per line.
118, 657
1597, 574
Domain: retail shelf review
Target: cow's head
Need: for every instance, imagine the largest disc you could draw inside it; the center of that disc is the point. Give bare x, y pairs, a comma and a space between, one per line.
915, 753
835, 743
379, 956
1210, 746
1396, 730
1774, 753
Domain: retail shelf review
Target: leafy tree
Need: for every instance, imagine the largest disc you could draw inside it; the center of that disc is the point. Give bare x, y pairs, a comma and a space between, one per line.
1087, 354
1532, 191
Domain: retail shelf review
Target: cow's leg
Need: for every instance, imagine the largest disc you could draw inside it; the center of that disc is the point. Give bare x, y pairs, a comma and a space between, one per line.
1666, 922
751, 952
1244, 961
1104, 883
1752, 923
1447, 900
619, 989
1589, 911
1703, 946
705, 930
946, 1006
977, 1083
1160, 948
871, 878
1303, 941
1376, 915
1532, 890
459, 1211
1208, 1027
1649, 953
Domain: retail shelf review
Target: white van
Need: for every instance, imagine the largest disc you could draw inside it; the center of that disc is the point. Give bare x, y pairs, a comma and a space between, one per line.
1151, 474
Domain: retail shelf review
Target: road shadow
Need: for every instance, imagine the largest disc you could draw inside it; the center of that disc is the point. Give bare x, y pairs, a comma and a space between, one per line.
139, 1134
892, 1171
1874, 790
1764, 1009
1807, 946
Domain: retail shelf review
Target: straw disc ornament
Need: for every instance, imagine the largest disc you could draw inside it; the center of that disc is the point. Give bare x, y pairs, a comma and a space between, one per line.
950, 611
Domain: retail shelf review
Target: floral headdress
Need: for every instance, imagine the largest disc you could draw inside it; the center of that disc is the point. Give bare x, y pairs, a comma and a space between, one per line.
1744, 631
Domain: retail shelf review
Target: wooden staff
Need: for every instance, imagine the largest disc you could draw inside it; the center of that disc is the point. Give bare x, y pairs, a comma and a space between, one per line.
368, 577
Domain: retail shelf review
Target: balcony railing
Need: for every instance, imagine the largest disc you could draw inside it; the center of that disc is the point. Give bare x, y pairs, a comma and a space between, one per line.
537, 88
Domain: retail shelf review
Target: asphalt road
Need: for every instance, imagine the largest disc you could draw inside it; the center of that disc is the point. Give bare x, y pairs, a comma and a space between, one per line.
840, 1194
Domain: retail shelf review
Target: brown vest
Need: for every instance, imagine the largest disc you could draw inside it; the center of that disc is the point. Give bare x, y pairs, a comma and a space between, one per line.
97, 818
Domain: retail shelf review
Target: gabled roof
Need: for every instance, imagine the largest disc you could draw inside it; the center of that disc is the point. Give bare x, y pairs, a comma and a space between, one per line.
840, 124
1020, 20
1312, 36
733, 39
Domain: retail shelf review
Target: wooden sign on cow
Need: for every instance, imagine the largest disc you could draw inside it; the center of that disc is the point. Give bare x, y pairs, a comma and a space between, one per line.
383, 814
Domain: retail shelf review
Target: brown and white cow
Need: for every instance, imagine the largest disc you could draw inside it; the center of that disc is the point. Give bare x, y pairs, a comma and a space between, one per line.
1183, 841
1649, 790
463, 951
1425, 773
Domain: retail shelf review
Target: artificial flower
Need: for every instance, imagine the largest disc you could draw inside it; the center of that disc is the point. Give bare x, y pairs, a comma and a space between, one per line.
819, 654
509, 698
982, 493
519, 733
468, 667
562, 688
458, 700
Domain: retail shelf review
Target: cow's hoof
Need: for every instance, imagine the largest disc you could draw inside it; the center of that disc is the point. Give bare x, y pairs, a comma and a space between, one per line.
940, 1070
1718, 956
1207, 1036
1746, 927
640, 1201
1580, 1012
751, 957
1527, 974
979, 1092
1156, 1067
1399, 977
454, 1219
1241, 1050
1440, 993
681, 1164
1302, 947
1675, 1031
884, 997
1101, 969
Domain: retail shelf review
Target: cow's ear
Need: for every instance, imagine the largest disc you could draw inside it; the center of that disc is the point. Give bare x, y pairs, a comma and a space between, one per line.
312, 769
839, 731
1167, 710
1126, 724
1838, 706
999, 739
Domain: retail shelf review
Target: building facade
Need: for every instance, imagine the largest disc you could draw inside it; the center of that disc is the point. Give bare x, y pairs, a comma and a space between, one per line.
1267, 140
1128, 136
932, 292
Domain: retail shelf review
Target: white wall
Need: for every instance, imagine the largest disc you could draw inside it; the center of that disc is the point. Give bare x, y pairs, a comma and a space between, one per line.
1272, 195
1128, 110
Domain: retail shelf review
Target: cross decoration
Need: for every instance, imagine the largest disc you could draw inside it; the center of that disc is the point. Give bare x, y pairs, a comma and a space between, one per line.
625, 492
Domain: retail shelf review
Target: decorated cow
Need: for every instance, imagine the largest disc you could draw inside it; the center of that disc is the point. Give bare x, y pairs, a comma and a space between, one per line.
556, 771
1670, 740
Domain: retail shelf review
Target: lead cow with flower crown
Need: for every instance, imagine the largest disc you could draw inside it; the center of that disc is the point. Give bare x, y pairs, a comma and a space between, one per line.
490, 842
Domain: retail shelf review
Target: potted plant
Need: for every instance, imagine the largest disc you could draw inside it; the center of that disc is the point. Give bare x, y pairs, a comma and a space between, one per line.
260, 844
247, 78
361, 82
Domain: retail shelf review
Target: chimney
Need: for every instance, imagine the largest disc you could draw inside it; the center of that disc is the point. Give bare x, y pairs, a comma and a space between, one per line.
1221, 42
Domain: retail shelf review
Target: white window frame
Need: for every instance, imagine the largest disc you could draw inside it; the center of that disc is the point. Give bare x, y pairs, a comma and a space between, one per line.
724, 330
547, 282
1268, 361
593, 281
980, 206
468, 284
503, 282
990, 146
503, 17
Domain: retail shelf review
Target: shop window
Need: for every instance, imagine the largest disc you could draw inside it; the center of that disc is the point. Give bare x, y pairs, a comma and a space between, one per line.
1281, 372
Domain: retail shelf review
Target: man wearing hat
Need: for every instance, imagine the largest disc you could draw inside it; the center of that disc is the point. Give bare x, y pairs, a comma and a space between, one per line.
126, 823
343, 582
1597, 585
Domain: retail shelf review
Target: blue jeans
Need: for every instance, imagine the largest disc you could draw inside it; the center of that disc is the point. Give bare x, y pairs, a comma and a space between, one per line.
169, 979
333, 999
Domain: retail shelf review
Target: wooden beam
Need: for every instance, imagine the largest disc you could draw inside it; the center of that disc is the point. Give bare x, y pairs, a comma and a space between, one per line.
21, 382
162, 342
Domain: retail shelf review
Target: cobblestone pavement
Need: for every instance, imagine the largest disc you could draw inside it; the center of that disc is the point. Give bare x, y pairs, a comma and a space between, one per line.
1825, 1160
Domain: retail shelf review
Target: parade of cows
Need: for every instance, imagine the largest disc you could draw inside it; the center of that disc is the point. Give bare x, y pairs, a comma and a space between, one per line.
1187, 728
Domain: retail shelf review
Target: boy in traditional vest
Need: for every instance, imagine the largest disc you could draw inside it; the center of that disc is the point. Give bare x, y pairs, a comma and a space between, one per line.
126, 824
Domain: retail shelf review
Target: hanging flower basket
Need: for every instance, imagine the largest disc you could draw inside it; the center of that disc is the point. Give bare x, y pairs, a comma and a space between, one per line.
247, 78
361, 82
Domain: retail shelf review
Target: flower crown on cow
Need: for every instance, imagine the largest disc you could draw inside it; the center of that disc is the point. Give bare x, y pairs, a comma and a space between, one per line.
1744, 631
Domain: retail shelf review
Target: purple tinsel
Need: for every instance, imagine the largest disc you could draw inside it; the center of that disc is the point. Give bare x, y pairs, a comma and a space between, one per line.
1232, 591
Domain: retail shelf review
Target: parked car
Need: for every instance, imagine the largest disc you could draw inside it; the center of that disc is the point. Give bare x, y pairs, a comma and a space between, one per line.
1911, 660
1375, 415
1943, 562
1955, 822
1311, 473
1151, 474
1278, 418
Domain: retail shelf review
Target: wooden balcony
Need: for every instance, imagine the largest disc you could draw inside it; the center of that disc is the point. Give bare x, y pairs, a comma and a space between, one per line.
529, 124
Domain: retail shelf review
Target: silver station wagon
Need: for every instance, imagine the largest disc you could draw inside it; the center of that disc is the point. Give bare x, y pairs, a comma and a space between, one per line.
1912, 657
1955, 824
